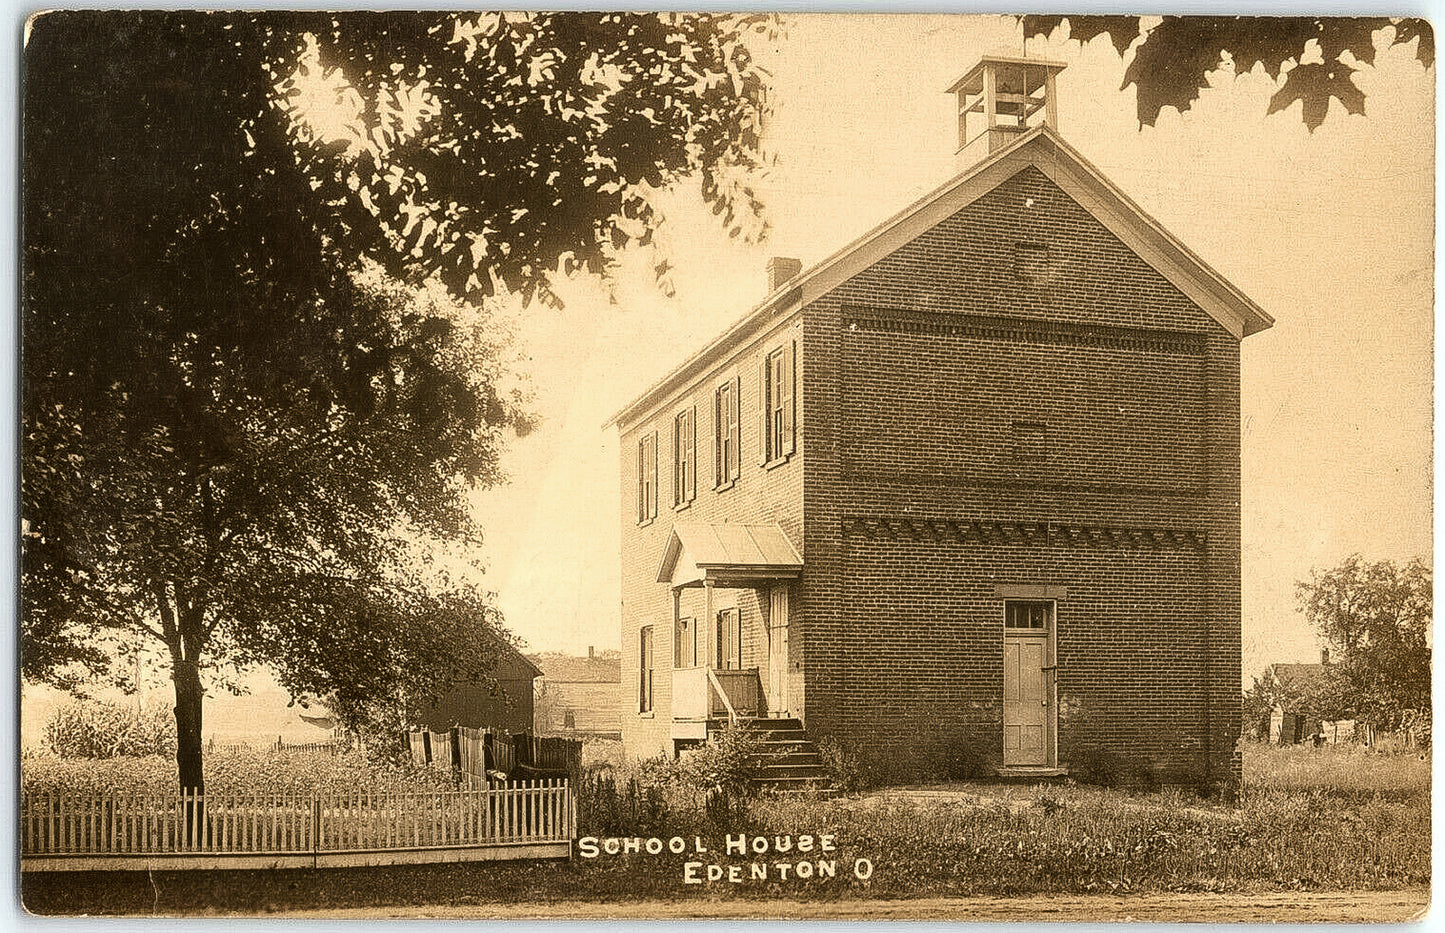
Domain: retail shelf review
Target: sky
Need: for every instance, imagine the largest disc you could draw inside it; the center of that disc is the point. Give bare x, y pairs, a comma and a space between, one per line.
1330, 232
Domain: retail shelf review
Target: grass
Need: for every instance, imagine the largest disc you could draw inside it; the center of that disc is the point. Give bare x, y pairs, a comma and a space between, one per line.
1307, 819
253, 771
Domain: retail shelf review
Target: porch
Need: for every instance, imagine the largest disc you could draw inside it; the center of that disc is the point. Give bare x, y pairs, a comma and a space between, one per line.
709, 680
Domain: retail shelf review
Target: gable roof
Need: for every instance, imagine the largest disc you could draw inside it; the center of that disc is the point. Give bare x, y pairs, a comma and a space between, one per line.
1297, 673
1041, 147
564, 668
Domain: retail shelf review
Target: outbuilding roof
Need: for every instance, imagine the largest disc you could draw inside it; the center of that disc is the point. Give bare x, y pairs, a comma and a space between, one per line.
1041, 147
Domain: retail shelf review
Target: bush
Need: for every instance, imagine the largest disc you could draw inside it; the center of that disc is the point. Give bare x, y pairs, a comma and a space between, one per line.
108, 730
841, 765
727, 763
635, 808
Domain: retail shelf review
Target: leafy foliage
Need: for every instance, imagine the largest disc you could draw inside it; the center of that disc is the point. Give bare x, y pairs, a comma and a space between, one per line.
1376, 616
844, 772
110, 730
1174, 59
245, 409
1327, 695
727, 762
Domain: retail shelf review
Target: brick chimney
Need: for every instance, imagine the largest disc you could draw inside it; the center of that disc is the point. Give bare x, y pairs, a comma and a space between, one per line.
780, 270
1002, 97
591, 652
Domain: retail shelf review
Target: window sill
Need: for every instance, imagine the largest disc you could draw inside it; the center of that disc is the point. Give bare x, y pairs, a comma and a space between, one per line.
777, 461
682, 506
724, 487
647, 715
644, 523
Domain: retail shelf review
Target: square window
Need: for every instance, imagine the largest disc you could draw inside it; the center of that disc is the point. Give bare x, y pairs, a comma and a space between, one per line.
1033, 262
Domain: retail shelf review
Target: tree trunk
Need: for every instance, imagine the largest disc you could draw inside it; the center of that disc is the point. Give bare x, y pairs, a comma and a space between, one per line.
187, 678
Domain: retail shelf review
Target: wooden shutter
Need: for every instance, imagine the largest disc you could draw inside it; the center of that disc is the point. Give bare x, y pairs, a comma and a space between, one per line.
764, 412
735, 429
787, 396
652, 472
692, 452
641, 480
717, 438
677, 462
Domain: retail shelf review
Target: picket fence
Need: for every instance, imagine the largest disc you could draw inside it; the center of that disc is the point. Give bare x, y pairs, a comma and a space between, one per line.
183, 830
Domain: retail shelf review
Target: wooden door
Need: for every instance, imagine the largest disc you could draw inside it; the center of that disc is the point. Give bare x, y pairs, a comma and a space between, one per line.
1026, 707
778, 651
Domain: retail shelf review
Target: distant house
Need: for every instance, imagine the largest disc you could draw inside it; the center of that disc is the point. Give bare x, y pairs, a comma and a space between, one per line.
507, 705
1289, 725
579, 695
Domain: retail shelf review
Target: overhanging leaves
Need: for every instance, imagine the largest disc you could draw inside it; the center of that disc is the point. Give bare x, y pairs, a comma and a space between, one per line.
1173, 61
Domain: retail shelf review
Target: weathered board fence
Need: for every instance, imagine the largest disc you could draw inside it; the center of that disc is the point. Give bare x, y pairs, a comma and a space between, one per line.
83, 832
488, 758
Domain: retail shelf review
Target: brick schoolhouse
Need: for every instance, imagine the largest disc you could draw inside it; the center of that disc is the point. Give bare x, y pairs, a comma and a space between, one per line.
964, 496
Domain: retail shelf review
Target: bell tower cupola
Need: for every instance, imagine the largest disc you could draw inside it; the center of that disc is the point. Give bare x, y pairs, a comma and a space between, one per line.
1002, 97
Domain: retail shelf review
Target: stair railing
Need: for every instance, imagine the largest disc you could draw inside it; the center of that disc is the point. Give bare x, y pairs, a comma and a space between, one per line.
727, 704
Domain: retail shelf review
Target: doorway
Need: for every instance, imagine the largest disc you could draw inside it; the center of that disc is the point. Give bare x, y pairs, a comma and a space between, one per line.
1029, 711
778, 651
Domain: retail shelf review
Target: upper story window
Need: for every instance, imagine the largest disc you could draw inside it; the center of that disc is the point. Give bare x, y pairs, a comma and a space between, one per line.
684, 457
647, 478
726, 434
779, 415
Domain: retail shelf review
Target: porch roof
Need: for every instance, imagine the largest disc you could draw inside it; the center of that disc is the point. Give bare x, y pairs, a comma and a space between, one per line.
728, 554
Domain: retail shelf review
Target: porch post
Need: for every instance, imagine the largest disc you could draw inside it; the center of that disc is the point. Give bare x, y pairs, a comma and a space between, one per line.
709, 623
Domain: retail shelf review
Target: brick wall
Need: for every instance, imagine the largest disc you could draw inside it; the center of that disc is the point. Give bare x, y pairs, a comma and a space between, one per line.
759, 495
933, 375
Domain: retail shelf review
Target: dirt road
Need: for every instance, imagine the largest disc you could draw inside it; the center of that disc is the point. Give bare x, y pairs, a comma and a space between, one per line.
1293, 907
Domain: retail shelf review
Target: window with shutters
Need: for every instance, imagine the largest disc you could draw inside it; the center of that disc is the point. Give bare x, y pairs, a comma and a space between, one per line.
684, 646
776, 389
647, 478
645, 663
684, 458
729, 641
726, 435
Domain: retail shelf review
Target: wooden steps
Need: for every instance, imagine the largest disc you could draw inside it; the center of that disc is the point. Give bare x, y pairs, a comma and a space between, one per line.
789, 762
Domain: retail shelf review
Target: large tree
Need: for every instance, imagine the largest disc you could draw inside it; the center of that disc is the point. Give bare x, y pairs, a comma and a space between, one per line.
1174, 58
1376, 616
241, 405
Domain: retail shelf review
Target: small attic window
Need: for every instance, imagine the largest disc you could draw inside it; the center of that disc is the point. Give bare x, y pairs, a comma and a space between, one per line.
1033, 262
